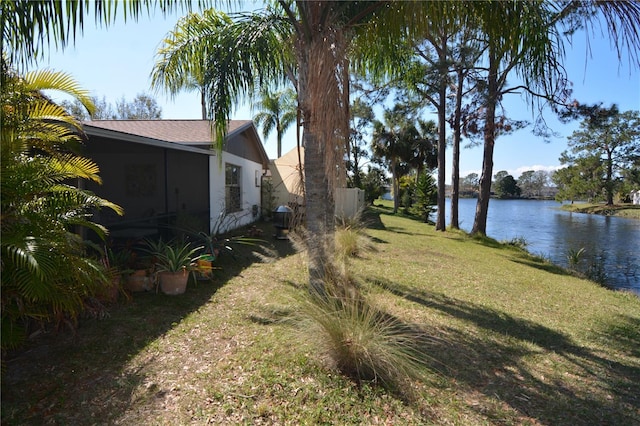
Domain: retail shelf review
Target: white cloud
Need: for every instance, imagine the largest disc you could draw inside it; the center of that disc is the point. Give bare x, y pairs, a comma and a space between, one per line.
465, 173
517, 172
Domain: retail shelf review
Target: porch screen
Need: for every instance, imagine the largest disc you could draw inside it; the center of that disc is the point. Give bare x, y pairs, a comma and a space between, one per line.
233, 193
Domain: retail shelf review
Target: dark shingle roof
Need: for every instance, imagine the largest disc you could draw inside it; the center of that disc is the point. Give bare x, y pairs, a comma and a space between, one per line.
190, 132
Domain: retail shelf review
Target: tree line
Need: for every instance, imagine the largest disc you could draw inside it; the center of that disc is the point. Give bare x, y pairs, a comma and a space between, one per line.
142, 107
601, 164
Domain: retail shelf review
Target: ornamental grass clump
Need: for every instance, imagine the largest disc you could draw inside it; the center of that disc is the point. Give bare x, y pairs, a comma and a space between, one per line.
350, 238
362, 342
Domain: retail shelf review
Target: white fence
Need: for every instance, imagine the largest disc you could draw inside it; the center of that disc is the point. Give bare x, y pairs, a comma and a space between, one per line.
349, 201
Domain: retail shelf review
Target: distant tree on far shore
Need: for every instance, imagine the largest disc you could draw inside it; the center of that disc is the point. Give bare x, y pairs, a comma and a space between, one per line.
606, 138
505, 185
533, 182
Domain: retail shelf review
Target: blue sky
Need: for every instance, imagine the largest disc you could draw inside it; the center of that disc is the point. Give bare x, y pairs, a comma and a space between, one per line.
117, 62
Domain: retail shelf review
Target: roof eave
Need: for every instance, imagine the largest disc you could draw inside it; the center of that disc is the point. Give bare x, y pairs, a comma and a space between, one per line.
128, 137
252, 128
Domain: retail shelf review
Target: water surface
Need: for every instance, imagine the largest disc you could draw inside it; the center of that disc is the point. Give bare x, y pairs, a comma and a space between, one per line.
613, 242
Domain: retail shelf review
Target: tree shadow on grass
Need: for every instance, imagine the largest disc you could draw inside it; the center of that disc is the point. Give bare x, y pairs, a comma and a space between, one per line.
623, 334
82, 377
493, 356
372, 218
541, 264
517, 255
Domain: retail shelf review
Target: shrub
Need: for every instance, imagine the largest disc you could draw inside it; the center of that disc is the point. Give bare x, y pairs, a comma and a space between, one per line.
350, 238
574, 256
426, 194
46, 272
359, 340
518, 242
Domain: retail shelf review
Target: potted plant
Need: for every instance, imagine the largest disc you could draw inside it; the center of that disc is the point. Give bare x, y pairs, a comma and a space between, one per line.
109, 291
174, 262
215, 245
118, 262
204, 266
138, 275
210, 253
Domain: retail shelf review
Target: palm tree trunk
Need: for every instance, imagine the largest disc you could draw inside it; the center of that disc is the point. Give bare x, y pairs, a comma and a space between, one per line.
319, 52
318, 201
203, 103
300, 163
279, 136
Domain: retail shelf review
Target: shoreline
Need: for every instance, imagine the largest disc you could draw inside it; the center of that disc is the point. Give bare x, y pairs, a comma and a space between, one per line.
618, 210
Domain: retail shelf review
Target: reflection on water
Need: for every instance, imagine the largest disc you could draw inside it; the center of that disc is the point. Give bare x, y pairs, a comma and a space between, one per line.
551, 232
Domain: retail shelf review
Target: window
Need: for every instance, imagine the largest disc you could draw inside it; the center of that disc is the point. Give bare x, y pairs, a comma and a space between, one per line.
233, 193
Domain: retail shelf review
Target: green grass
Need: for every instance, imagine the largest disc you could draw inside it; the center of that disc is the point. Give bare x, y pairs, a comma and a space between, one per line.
621, 210
511, 339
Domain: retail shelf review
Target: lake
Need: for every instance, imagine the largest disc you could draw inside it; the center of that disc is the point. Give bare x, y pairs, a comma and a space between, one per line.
550, 232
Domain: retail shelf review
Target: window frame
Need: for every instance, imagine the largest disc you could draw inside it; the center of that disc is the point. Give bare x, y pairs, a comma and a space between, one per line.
233, 203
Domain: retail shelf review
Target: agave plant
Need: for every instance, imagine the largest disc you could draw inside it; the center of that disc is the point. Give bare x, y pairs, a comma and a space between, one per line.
173, 256
46, 273
574, 256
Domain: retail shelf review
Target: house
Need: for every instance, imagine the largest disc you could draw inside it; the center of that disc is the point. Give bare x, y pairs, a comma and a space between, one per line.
635, 197
286, 184
166, 175
287, 187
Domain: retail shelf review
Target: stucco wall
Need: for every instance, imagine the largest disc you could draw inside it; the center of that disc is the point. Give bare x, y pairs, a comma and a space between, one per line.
221, 221
285, 179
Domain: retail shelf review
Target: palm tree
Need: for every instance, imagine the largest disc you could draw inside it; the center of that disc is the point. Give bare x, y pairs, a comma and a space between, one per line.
259, 50
45, 271
277, 111
174, 74
425, 148
394, 141
256, 49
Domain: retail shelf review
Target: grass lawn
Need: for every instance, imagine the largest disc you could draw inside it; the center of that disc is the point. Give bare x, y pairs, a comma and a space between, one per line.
512, 341
621, 210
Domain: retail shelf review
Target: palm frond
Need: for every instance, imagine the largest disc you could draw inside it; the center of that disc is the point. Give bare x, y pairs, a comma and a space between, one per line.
230, 55
45, 271
59, 81
30, 27
70, 166
622, 22
183, 53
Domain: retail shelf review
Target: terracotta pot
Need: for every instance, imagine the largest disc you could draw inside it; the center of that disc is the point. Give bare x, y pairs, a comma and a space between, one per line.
138, 281
173, 283
109, 293
114, 290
